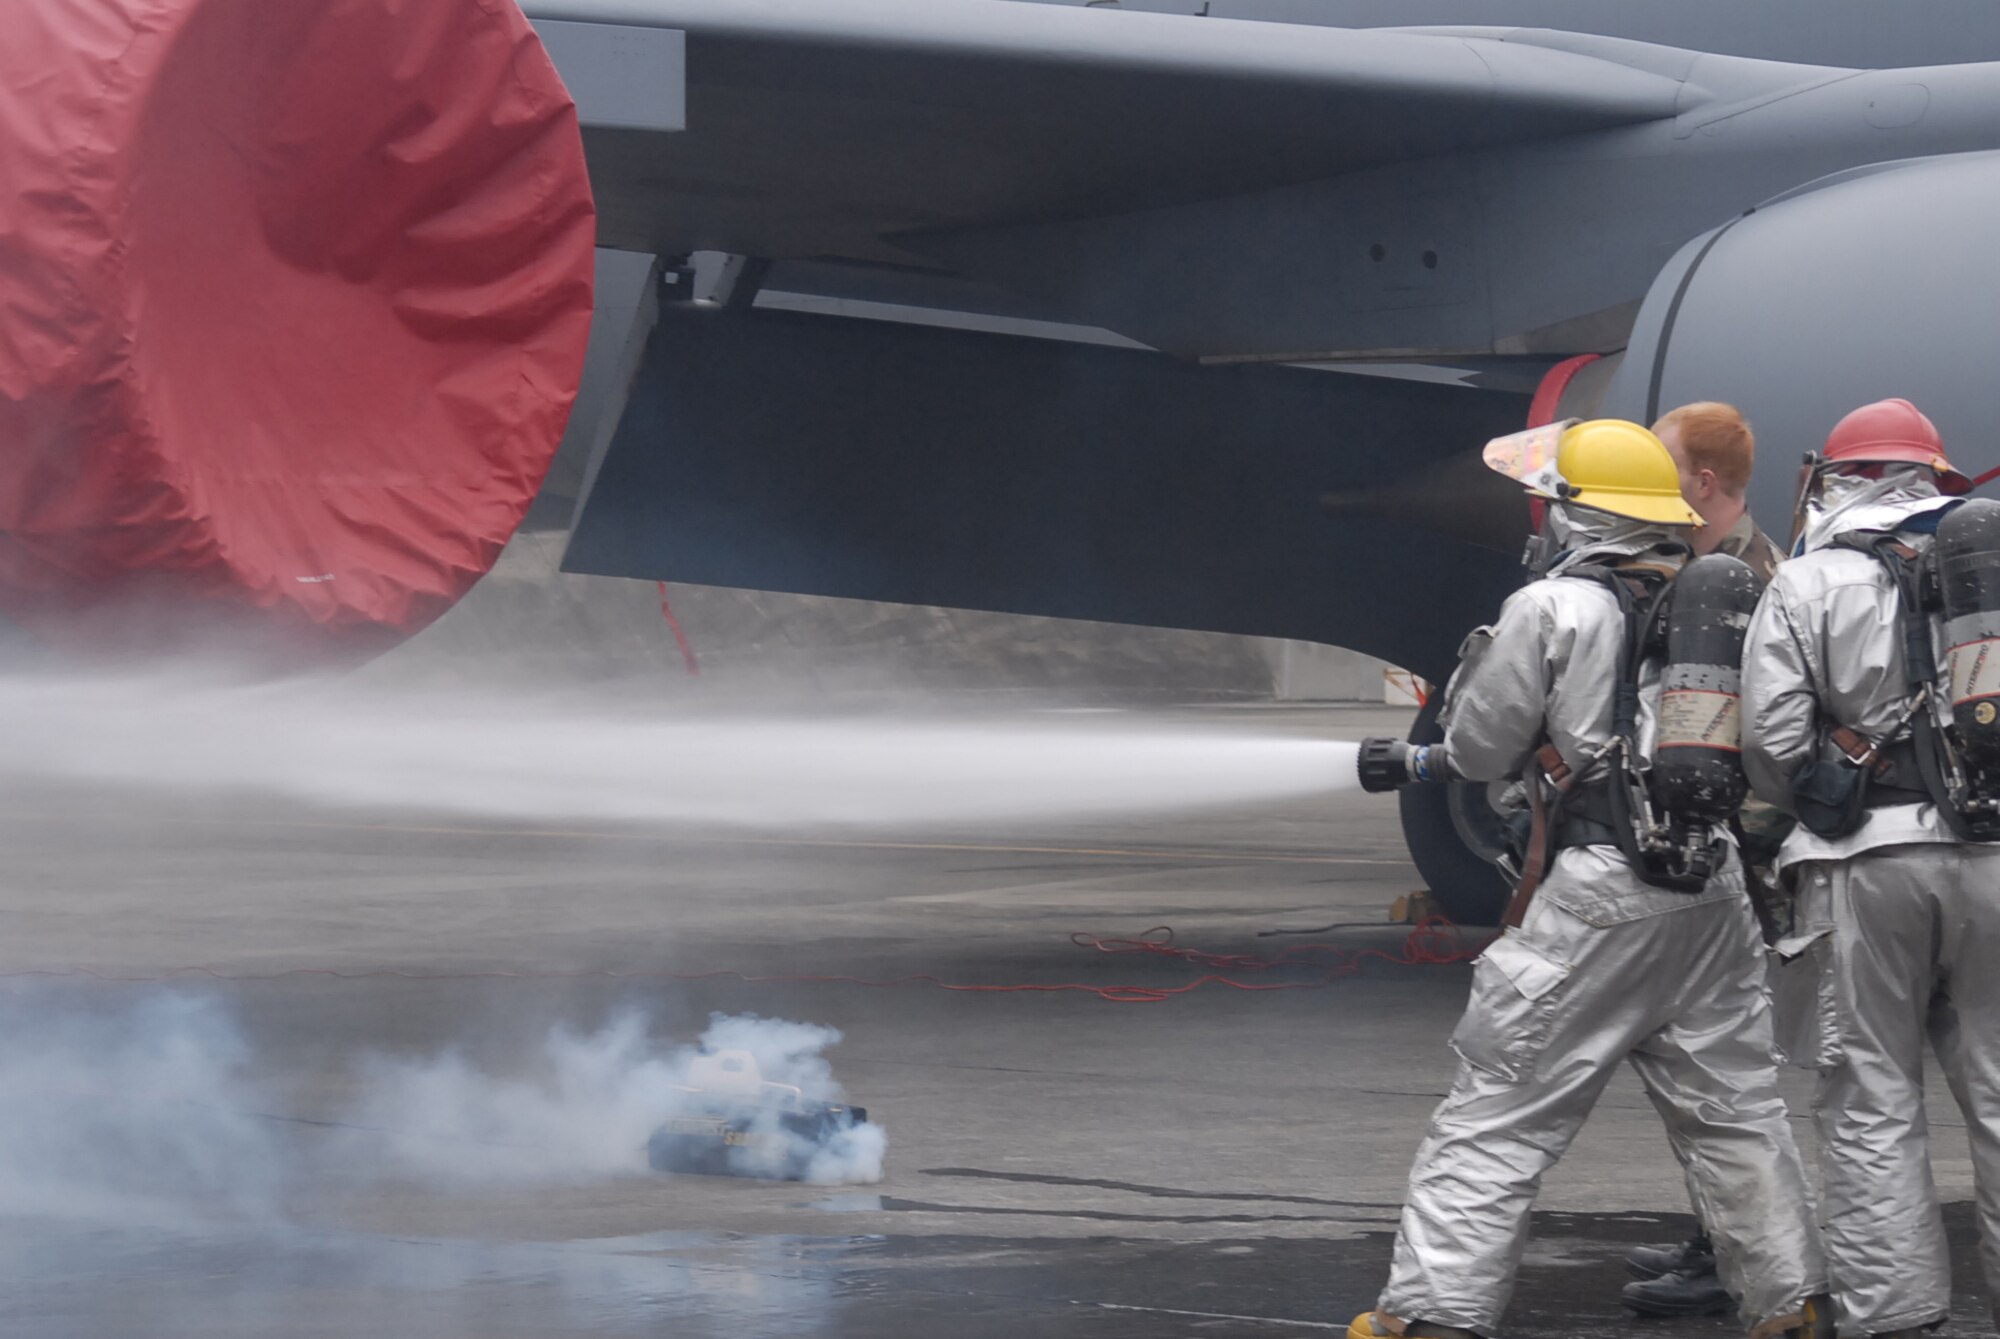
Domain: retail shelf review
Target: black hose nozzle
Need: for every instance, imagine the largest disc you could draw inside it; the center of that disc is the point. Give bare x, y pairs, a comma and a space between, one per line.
1385, 764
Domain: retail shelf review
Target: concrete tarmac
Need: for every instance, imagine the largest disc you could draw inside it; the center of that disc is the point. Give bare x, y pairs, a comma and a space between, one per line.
1214, 1162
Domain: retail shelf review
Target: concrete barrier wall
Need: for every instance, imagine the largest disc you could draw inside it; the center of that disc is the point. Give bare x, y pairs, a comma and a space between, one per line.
531, 622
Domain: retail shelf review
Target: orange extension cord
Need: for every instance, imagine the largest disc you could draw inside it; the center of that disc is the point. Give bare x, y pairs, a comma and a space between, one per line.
1435, 941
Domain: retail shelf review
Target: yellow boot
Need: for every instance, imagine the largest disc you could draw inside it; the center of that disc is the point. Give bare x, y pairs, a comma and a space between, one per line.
1815, 1319
1380, 1325
1366, 1326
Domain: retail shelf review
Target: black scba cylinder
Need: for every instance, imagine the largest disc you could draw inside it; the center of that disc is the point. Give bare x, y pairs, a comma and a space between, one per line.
1698, 759
1968, 568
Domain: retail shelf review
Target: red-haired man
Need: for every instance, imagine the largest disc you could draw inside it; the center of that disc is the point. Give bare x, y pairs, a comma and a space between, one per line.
1714, 450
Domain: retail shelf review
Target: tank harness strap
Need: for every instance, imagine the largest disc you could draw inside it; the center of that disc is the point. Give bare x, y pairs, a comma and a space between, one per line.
1859, 750
1555, 775
1894, 774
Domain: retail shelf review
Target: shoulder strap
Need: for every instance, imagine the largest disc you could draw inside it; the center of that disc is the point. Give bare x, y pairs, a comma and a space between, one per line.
1641, 594
1937, 762
1905, 573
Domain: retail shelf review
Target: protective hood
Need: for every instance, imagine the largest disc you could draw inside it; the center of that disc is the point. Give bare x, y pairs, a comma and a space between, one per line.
1583, 534
1847, 503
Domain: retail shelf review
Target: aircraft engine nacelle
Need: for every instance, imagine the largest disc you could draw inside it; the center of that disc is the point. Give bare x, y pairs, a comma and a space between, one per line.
1881, 281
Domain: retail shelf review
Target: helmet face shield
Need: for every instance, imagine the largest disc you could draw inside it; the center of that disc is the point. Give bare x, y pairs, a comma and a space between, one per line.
1607, 465
1529, 457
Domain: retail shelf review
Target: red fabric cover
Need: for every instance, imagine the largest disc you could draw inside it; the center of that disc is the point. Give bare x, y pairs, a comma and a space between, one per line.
293, 303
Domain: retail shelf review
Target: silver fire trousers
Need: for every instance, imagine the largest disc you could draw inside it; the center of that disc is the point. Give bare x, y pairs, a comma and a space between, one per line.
1605, 970
1907, 945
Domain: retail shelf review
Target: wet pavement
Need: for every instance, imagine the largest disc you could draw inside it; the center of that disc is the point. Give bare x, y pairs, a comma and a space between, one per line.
216, 1281
1219, 1162
295, 1282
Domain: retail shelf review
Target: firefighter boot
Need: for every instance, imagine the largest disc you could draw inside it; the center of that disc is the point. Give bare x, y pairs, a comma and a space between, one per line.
1375, 1325
1695, 1255
1815, 1320
1680, 1293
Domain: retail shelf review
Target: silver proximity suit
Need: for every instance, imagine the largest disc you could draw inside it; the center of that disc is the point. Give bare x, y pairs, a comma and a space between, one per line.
1604, 969
1897, 926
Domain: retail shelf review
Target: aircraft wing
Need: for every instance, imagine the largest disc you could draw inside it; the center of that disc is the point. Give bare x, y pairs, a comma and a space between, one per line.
820, 128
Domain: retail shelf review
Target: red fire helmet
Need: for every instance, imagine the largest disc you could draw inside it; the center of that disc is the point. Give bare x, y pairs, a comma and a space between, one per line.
1889, 432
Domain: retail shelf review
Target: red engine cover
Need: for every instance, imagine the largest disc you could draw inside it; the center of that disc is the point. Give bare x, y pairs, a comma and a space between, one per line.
293, 304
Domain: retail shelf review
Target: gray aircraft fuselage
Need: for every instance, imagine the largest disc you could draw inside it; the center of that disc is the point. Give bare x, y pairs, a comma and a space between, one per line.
1534, 248
1863, 34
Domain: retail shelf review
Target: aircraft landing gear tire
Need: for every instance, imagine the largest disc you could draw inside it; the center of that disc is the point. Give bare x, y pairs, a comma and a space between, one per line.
1453, 833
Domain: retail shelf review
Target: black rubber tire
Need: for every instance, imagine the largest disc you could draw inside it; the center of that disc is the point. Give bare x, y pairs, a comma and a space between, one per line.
1437, 823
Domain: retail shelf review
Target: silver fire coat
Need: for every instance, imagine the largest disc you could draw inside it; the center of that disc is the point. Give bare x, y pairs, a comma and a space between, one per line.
1825, 645
1604, 970
1897, 927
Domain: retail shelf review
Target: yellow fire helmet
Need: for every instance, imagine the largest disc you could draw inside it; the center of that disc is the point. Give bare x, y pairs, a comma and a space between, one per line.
1608, 464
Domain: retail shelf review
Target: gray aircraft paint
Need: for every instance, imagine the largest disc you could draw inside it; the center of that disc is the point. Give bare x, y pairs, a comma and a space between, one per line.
1496, 251
1816, 32
1479, 190
1879, 282
812, 135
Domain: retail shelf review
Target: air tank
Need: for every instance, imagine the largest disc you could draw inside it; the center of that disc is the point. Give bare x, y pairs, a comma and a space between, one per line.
1968, 565
1698, 758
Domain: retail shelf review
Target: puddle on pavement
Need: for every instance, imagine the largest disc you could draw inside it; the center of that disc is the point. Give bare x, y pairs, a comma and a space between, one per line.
68, 1279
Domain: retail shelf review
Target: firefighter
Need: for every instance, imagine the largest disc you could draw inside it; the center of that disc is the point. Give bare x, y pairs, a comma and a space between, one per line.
1898, 917
1601, 966
1714, 451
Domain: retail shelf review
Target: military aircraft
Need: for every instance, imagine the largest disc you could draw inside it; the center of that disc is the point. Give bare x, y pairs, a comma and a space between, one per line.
1099, 313
1194, 317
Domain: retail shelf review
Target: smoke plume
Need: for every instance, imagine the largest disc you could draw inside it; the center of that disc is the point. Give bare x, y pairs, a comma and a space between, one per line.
160, 1111
591, 1104
142, 1113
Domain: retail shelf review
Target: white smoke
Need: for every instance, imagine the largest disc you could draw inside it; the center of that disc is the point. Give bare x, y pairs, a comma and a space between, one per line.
136, 1114
591, 1104
161, 1112
508, 755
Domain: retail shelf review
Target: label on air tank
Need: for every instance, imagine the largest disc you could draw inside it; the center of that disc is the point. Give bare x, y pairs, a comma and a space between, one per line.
1698, 718
1975, 670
